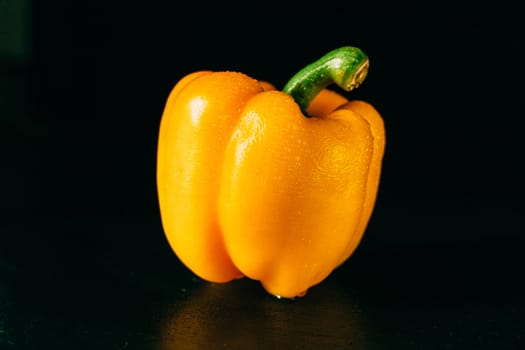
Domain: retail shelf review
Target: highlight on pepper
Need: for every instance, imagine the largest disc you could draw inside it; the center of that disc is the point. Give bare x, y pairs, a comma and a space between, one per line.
275, 186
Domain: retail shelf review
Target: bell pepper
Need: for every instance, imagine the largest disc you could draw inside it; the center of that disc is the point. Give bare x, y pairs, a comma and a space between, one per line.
275, 186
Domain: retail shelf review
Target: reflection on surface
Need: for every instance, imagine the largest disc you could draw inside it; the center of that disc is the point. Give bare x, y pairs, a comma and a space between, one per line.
240, 315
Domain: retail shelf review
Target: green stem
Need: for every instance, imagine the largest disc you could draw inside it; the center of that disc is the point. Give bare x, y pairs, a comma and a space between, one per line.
346, 66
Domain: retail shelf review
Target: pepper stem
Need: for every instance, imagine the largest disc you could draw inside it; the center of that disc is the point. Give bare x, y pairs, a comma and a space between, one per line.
346, 66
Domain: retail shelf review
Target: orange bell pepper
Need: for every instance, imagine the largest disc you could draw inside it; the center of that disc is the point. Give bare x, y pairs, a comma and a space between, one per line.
277, 186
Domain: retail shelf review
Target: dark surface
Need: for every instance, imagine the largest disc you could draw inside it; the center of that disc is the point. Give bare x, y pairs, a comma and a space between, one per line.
83, 260
115, 294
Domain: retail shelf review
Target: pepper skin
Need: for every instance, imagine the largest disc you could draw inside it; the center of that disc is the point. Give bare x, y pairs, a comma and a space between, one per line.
249, 185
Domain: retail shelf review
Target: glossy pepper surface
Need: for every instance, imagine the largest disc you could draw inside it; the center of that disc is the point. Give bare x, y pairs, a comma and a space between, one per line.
276, 186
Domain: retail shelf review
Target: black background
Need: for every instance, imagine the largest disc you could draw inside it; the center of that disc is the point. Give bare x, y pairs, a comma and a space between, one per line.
83, 256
